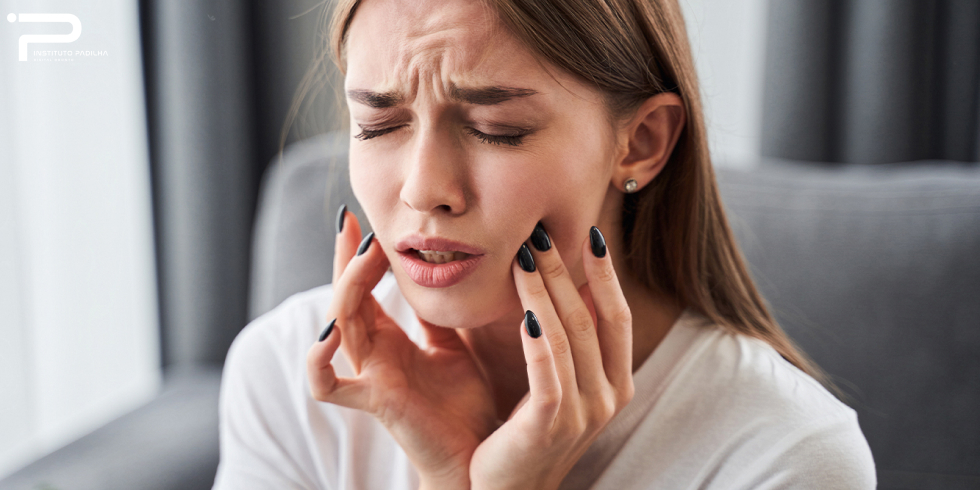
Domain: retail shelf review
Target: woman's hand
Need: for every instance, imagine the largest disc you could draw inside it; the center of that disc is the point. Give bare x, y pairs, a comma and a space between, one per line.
434, 402
579, 368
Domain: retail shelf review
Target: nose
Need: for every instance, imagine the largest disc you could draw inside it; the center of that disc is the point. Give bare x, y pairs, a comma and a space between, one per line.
434, 179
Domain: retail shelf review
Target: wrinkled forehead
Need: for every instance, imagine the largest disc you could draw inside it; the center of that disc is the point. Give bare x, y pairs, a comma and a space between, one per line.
397, 44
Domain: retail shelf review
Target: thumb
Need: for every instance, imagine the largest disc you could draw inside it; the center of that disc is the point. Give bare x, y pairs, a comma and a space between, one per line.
527, 396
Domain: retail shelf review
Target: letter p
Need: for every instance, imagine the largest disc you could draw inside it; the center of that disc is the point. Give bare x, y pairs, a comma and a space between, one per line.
23, 41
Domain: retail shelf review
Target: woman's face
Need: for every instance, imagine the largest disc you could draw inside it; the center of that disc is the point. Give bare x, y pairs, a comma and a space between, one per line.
462, 140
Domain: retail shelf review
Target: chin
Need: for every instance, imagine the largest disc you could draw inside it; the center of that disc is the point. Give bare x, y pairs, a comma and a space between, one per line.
468, 305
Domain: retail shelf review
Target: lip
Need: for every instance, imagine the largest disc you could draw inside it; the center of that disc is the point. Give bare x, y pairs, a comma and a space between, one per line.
436, 275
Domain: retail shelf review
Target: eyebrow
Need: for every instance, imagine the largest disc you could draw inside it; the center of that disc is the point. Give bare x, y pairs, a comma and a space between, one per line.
378, 100
487, 95
478, 96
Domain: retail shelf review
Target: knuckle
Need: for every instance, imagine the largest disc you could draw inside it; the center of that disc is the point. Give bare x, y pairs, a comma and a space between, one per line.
607, 407
550, 400
536, 288
346, 317
559, 344
623, 316
539, 358
599, 412
579, 322
551, 269
605, 272
625, 394
319, 393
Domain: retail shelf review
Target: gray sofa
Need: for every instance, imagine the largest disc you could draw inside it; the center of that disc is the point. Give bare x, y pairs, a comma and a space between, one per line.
874, 271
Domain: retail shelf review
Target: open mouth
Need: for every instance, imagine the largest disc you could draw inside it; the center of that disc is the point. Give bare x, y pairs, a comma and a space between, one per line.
437, 262
439, 257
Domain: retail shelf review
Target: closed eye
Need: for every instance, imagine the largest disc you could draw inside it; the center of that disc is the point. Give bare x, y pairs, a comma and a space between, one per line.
367, 133
491, 139
498, 139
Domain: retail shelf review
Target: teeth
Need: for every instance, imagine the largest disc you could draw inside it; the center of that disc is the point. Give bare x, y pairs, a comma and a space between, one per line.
436, 257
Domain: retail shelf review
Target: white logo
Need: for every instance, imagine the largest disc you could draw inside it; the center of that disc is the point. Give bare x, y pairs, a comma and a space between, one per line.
23, 41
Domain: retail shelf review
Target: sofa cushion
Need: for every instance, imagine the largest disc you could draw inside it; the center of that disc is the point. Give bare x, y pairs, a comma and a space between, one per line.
170, 443
874, 271
293, 239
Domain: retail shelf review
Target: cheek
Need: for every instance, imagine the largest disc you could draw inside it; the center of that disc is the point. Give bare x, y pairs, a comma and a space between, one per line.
374, 186
563, 176
569, 179
509, 190
573, 188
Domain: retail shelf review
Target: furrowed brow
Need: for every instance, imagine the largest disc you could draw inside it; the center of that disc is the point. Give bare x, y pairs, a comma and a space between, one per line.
378, 100
488, 95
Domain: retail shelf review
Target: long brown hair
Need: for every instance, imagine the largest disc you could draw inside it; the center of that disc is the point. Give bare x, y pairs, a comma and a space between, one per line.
676, 236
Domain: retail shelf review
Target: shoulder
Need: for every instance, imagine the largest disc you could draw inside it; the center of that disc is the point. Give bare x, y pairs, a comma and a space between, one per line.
271, 430
753, 377
774, 420
264, 375
261, 436
280, 331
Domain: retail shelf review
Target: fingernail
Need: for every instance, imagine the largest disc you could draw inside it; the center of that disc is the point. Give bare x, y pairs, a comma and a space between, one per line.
365, 243
598, 242
341, 214
531, 322
326, 331
524, 259
539, 238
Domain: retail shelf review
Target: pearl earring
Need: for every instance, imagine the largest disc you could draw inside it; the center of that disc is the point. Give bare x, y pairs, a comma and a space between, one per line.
630, 186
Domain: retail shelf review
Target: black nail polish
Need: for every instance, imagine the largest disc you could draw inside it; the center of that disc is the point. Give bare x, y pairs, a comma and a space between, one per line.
326, 331
539, 238
598, 242
365, 243
524, 259
531, 322
340, 218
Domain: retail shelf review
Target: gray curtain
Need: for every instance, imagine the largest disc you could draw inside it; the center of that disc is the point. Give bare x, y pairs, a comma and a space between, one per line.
872, 81
220, 76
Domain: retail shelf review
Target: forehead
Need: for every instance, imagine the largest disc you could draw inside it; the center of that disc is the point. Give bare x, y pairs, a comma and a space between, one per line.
397, 44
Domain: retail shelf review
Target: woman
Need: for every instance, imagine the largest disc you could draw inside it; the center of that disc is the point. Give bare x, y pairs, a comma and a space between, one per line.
566, 306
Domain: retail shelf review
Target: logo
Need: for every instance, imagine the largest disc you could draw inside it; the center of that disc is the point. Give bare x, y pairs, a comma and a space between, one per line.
26, 39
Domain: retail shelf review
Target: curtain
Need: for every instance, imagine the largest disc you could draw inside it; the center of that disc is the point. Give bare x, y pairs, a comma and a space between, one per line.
870, 81
220, 76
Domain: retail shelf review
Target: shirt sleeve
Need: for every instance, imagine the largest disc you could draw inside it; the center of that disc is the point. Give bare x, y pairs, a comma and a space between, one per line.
261, 443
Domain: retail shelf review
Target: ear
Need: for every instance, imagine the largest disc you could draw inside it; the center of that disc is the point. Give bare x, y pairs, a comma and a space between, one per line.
650, 137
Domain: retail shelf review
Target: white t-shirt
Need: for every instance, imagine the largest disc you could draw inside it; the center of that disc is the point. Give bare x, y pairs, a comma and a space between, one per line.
712, 410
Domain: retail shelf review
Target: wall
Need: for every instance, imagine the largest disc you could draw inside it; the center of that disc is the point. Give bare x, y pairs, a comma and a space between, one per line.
728, 42
78, 317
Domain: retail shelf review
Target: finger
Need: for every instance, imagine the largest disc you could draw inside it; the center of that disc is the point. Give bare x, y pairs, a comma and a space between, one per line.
345, 243
352, 304
325, 386
545, 394
534, 296
586, 295
615, 324
573, 313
